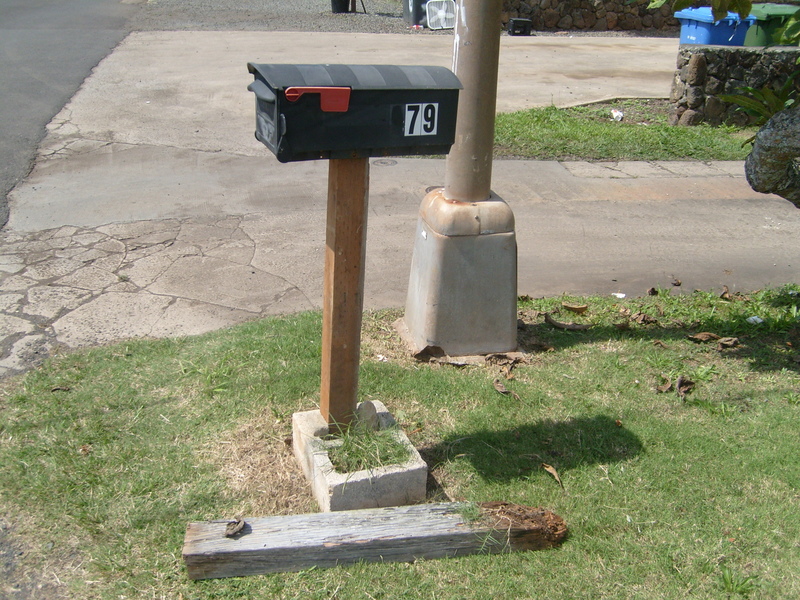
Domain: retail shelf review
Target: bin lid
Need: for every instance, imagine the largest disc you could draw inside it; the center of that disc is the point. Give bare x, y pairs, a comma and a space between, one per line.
357, 77
705, 15
764, 12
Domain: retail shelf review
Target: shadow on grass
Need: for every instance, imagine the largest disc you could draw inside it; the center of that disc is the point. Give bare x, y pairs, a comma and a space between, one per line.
516, 453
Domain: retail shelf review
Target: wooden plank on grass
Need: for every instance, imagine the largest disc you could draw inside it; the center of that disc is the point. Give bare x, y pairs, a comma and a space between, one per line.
396, 534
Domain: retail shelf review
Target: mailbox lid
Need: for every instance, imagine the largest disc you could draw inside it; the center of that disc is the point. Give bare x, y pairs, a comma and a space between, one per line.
356, 77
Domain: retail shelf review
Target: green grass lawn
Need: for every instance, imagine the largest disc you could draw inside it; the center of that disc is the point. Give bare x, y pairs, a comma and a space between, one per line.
590, 133
107, 454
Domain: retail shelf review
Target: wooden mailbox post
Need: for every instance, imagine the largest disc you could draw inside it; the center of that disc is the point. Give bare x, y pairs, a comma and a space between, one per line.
343, 287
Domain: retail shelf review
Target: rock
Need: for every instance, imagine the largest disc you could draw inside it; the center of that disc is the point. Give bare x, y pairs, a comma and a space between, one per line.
551, 18
771, 167
714, 108
694, 96
691, 117
678, 90
714, 86
696, 70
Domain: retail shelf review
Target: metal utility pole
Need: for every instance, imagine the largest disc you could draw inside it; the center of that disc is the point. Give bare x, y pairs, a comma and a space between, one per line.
476, 53
462, 294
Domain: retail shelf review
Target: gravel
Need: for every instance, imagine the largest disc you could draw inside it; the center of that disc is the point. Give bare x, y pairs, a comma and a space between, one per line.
382, 16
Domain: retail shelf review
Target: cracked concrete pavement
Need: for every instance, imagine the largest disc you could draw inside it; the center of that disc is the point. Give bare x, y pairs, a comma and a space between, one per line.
77, 286
152, 211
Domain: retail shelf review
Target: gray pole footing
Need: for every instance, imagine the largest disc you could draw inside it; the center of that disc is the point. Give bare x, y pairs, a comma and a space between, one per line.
462, 293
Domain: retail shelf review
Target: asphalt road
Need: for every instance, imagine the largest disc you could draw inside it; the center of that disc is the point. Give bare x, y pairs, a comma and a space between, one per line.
47, 49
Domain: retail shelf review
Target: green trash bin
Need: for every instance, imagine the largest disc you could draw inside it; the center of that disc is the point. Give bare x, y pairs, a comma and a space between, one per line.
769, 18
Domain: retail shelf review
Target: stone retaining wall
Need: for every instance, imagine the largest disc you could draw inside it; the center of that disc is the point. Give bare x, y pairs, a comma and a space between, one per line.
705, 72
591, 15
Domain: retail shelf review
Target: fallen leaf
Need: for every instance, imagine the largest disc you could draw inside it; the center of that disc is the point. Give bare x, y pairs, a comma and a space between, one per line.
677, 282
61, 388
652, 292
623, 325
576, 308
618, 423
552, 470
726, 293
566, 326
660, 344
666, 386
703, 336
683, 386
498, 385
727, 342
643, 319
85, 449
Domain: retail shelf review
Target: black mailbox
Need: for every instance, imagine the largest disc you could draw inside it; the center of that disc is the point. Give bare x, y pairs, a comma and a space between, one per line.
307, 112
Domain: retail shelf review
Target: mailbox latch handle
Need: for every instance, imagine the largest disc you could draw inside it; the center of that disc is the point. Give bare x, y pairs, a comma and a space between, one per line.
331, 99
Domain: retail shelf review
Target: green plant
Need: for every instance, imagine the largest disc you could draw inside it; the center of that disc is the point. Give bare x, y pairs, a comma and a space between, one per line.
362, 447
762, 104
470, 512
789, 34
216, 377
733, 583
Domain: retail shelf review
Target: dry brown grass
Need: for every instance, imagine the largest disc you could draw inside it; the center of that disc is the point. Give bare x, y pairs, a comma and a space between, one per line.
259, 467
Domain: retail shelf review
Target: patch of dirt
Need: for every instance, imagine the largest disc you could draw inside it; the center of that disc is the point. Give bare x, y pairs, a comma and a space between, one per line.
380, 340
641, 111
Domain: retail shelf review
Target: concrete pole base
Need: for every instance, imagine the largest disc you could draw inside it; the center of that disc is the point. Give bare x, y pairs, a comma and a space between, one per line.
389, 485
462, 292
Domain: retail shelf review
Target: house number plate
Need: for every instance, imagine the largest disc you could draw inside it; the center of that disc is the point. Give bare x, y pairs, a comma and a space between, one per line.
421, 119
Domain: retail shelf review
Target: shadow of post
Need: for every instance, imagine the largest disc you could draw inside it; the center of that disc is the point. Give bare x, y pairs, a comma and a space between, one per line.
517, 452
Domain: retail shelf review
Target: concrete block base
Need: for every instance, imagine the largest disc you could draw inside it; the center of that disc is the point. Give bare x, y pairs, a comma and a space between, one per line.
391, 485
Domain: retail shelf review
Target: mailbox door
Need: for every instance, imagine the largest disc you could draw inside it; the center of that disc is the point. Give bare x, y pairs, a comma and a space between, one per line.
377, 123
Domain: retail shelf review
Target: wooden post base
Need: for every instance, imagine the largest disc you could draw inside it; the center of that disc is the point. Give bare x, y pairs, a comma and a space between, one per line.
397, 534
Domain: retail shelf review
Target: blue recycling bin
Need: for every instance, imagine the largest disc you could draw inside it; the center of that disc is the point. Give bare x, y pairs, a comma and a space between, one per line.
698, 26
